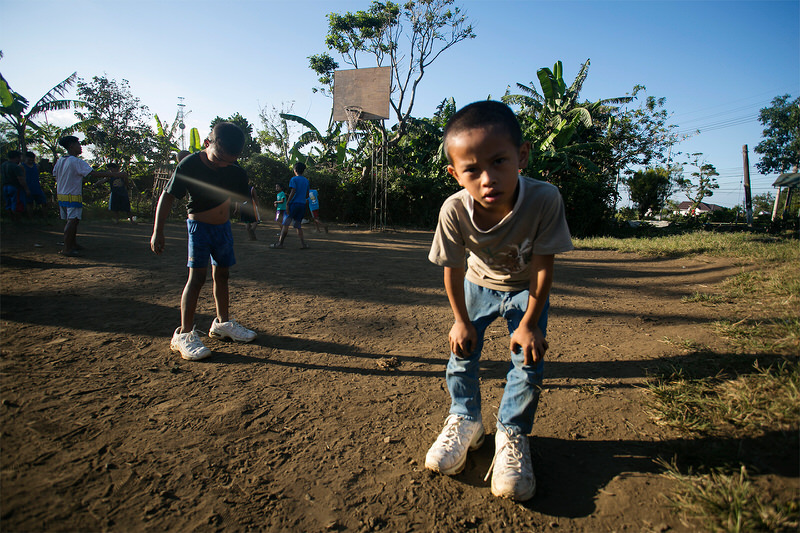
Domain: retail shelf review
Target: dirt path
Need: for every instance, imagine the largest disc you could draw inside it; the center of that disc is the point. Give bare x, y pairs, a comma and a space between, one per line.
322, 423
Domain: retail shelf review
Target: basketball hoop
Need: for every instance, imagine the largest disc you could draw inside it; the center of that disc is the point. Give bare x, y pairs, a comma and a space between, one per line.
353, 114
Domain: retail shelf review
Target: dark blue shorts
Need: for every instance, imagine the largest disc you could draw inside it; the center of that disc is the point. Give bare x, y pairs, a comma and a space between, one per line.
296, 212
210, 240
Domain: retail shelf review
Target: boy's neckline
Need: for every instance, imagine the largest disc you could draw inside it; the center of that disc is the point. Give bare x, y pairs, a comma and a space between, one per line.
491, 223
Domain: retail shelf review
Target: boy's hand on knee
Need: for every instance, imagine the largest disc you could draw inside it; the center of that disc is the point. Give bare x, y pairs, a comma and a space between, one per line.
463, 338
531, 342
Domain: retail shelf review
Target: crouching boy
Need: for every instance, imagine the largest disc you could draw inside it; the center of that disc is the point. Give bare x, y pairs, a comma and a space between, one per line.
511, 226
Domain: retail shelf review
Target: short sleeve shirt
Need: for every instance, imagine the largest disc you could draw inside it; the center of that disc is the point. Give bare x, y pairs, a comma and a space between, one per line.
300, 186
69, 172
500, 258
206, 187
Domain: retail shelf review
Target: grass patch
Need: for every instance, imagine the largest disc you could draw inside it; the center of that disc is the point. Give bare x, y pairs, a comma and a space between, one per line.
730, 502
743, 405
746, 246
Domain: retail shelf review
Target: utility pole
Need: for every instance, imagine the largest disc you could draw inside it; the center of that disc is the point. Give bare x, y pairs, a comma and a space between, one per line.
748, 201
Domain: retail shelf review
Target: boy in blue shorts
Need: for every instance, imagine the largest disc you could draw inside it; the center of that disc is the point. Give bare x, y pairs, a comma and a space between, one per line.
511, 226
296, 210
211, 180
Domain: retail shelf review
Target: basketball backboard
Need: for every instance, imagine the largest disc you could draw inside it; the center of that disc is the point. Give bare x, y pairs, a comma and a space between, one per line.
367, 88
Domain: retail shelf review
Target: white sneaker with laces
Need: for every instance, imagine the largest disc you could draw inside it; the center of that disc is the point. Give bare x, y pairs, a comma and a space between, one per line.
231, 330
512, 469
189, 345
448, 455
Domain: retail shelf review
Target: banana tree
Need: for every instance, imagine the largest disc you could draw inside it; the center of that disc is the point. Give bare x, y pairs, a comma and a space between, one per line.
15, 107
332, 145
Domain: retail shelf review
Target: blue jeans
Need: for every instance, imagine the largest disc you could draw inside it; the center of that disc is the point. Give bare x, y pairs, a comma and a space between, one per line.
523, 383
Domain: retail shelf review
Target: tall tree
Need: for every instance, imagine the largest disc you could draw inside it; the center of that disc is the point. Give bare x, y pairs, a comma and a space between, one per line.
15, 106
120, 132
649, 189
701, 183
251, 146
780, 149
408, 38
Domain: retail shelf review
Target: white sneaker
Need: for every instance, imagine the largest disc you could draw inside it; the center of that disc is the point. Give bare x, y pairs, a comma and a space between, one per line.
448, 455
231, 330
189, 345
512, 470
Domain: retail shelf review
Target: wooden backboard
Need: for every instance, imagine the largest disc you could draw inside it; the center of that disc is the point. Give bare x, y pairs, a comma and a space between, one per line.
367, 88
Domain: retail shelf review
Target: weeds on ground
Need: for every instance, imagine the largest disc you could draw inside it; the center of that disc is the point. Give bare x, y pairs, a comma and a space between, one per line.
747, 246
729, 502
734, 401
742, 405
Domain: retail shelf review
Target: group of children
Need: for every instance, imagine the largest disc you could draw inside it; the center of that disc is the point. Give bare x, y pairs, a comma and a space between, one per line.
300, 193
21, 187
495, 240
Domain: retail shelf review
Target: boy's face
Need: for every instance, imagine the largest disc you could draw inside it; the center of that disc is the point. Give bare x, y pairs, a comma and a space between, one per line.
486, 162
75, 149
218, 157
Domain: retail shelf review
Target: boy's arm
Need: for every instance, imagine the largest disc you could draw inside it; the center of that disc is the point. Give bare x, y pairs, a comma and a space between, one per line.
165, 202
527, 337
463, 336
291, 195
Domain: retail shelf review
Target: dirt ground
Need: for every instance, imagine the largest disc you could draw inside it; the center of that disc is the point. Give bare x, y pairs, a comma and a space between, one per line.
322, 424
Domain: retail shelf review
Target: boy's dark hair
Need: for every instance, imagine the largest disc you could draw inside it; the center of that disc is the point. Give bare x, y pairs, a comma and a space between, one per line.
299, 168
280, 185
67, 141
229, 137
112, 166
483, 114
30, 154
13, 154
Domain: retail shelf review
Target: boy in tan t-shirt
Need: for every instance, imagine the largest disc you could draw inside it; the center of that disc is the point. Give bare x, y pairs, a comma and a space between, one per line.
512, 226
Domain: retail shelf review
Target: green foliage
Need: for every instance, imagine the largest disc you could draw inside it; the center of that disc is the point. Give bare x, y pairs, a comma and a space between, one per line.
702, 182
251, 146
264, 172
568, 145
649, 189
780, 149
15, 107
119, 129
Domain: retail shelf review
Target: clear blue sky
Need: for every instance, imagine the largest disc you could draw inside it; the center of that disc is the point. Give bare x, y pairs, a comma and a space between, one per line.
716, 62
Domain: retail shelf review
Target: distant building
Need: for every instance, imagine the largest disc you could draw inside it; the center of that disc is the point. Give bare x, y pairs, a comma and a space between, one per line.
702, 207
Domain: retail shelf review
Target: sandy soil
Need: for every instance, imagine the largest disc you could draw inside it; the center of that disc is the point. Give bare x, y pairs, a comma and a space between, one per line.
323, 422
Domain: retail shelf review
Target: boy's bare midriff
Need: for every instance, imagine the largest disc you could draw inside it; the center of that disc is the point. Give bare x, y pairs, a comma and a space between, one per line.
217, 215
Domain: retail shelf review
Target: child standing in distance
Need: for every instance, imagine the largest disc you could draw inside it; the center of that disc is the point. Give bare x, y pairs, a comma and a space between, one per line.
70, 172
211, 180
248, 213
36, 201
313, 205
280, 205
511, 226
298, 195
118, 201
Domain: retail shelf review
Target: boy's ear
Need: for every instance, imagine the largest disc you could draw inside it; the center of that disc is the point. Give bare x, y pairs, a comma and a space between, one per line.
452, 171
206, 143
524, 154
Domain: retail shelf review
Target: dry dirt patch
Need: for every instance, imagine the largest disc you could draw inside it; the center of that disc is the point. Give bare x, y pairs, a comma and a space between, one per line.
323, 422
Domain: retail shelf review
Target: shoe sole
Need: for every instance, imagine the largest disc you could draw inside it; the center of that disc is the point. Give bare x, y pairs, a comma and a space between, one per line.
457, 468
219, 336
204, 355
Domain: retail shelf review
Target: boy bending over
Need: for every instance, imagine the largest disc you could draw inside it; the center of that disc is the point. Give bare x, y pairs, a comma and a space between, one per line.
512, 226
210, 179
